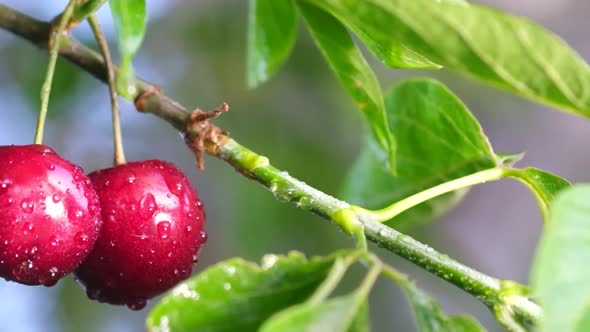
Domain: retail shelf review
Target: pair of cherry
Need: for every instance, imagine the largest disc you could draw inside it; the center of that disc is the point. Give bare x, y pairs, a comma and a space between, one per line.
128, 233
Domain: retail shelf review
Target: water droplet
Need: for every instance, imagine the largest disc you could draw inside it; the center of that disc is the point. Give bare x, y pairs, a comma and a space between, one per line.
185, 291
282, 194
199, 203
195, 258
230, 270
41, 149
227, 286
137, 304
5, 184
75, 215
27, 206
81, 238
269, 261
51, 278
176, 187
51, 167
203, 236
188, 229
131, 179
78, 170
23, 271
54, 241
55, 198
6, 201
147, 206
306, 203
93, 293
28, 227
163, 228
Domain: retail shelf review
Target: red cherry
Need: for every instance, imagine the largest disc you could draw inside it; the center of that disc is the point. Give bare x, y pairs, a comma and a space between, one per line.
49, 215
152, 232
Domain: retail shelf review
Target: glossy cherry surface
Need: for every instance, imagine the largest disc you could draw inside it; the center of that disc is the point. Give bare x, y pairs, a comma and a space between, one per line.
49, 215
151, 236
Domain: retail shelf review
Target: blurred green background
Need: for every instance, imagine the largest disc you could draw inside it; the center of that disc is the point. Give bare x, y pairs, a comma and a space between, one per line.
306, 124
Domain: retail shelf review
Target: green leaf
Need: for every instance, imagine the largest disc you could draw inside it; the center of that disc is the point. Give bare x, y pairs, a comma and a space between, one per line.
236, 295
393, 53
272, 29
560, 270
438, 140
431, 318
335, 315
544, 185
130, 20
506, 51
353, 71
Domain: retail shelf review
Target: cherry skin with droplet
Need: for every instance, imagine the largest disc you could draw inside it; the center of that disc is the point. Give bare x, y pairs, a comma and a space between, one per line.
151, 236
49, 215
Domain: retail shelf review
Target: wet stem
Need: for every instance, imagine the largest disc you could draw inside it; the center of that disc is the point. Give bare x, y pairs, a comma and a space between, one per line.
54, 42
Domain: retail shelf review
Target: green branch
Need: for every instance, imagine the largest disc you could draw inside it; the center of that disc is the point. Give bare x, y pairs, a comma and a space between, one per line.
490, 291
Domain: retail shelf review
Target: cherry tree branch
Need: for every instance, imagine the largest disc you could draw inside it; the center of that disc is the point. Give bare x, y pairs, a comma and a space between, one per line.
498, 295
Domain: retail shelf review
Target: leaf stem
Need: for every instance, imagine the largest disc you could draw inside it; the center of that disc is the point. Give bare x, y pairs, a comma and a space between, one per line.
54, 41
394, 275
119, 153
281, 184
334, 277
388, 213
370, 279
